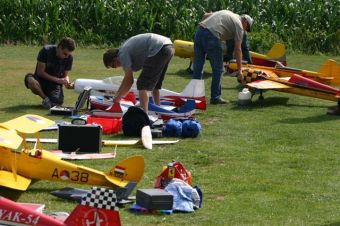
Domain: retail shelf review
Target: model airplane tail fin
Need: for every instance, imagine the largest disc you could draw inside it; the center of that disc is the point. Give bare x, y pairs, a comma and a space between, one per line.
277, 52
98, 207
331, 69
130, 169
195, 90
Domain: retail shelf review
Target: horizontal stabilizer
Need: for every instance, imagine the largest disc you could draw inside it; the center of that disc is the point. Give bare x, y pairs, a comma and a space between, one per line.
303, 81
7, 179
28, 124
188, 106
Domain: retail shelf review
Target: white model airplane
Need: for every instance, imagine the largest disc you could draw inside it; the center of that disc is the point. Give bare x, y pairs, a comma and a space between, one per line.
194, 90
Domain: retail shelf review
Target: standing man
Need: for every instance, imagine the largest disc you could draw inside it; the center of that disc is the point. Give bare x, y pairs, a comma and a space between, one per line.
244, 46
218, 26
149, 52
53, 65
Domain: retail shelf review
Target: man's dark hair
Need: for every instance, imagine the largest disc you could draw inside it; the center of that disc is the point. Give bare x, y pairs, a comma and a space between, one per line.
109, 56
67, 43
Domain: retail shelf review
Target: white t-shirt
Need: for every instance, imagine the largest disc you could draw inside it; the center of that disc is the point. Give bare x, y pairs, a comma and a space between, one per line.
225, 25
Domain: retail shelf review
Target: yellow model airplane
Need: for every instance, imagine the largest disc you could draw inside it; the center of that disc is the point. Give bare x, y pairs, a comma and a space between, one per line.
17, 169
296, 84
329, 72
185, 49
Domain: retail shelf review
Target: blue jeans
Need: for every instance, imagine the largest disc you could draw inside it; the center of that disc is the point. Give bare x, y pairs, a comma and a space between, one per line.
244, 46
206, 44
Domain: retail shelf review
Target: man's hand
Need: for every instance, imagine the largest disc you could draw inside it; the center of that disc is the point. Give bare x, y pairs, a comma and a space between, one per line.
239, 75
69, 85
62, 81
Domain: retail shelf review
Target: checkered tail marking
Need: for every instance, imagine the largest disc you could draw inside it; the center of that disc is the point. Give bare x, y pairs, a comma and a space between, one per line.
103, 198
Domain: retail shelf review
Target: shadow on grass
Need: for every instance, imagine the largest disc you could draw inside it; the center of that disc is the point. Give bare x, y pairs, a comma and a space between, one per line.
10, 193
268, 102
21, 108
188, 75
272, 101
313, 119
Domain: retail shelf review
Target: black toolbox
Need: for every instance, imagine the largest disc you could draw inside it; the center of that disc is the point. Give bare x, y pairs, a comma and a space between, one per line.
80, 138
154, 198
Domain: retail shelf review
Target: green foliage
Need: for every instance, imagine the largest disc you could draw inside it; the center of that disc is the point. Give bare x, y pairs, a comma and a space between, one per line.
104, 22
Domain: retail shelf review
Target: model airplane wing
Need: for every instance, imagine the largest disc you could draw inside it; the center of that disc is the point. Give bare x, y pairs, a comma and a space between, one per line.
28, 124
267, 84
9, 180
9, 139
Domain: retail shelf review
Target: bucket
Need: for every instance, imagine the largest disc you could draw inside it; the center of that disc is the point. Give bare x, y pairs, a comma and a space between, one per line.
244, 97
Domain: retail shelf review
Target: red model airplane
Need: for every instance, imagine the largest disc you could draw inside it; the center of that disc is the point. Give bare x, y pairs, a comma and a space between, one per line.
97, 208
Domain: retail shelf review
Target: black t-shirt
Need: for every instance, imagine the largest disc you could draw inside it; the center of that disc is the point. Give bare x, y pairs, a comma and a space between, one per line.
54, 66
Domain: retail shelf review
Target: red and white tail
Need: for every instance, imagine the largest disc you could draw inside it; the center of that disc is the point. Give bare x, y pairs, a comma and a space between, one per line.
195, 90
97, 208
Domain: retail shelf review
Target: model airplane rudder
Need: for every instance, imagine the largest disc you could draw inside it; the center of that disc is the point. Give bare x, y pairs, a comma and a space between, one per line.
130, 169
196, 90
98, 207
331, 69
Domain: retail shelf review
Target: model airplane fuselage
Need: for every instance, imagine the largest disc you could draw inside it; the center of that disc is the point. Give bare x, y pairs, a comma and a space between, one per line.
194, 90
17, 169
112, 110
185, 49
329, 72
296, 84
43, 165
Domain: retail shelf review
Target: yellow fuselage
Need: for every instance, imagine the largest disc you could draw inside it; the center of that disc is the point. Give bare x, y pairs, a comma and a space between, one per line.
42, 165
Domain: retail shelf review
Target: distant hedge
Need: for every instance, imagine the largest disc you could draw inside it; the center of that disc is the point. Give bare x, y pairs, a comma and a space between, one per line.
308, 26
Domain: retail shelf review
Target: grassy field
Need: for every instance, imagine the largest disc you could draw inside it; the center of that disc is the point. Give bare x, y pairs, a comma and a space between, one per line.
270, 163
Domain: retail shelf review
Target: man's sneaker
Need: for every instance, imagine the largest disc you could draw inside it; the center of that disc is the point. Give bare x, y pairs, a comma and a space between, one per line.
219, 101
46, 103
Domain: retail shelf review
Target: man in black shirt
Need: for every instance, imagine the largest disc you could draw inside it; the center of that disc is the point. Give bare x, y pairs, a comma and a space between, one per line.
53, 65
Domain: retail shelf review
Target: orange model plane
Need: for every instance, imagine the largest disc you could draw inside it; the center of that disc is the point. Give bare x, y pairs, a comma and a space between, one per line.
296, 84
329, 72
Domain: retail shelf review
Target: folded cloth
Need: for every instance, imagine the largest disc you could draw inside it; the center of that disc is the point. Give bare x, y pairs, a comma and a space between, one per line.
186, 198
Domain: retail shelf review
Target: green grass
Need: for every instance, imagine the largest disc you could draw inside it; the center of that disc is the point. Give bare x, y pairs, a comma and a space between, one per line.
271, 163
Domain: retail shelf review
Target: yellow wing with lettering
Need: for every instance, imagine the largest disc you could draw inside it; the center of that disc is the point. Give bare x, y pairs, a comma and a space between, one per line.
28, 124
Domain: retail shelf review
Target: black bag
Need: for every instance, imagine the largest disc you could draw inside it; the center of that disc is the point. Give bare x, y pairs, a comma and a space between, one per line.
133, 121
